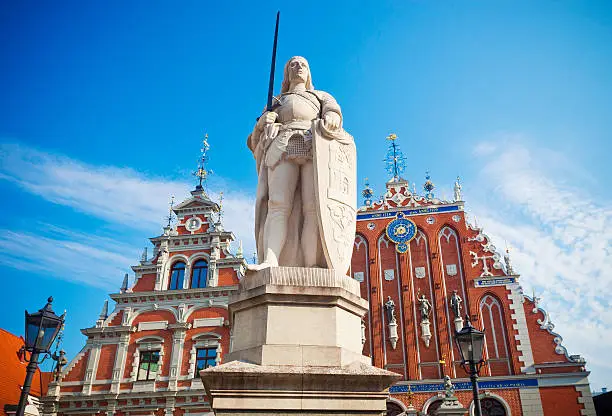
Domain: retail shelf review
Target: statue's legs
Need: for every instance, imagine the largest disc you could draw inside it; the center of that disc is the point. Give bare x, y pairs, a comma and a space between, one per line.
310, 241
282, 181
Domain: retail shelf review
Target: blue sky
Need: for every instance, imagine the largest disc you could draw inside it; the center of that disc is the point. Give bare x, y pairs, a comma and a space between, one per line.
103, 105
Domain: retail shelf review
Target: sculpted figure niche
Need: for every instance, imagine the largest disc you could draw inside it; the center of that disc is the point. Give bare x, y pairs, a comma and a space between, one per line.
306, 193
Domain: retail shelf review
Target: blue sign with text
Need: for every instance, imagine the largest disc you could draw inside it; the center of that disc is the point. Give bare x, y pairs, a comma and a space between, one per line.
466, 385
407, 212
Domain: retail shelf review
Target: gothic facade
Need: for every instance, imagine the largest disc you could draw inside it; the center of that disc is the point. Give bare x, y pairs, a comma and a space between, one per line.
451, 262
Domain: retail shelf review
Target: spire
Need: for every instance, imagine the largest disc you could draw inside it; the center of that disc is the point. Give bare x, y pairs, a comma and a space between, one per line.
395, 162
220, 207
509, 268
219, 224
240, 251
428, 186
457, 190
103, 314
170, 216
143, 258
124, 285
367, 193
202, 173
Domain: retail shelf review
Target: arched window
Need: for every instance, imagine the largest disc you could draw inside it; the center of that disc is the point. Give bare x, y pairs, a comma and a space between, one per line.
492, 407
394, 409
495, 335
177, 275
433, 407
199, 274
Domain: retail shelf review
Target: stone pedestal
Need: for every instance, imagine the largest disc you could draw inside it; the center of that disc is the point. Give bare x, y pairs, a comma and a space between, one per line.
296, 349
458, 324
451, 407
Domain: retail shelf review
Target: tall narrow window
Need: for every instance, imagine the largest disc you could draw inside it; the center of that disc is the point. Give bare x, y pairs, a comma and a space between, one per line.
199, 274
177, 274
149, 365
205, 357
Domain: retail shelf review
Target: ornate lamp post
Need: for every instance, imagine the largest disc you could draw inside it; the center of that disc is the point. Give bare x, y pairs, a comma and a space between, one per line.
470, 342
41, 328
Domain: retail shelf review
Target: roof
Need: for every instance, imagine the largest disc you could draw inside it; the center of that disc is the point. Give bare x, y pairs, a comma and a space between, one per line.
14, 371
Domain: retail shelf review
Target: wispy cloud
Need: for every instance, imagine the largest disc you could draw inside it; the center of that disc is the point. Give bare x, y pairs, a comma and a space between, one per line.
119, 196
561, 239
68, 255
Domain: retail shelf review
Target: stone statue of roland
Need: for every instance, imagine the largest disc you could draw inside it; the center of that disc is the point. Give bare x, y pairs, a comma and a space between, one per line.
288, 214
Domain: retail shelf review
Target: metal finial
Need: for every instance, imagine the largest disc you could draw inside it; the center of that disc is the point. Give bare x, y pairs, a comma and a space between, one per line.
220, 206
240, 251
395, 163
202, 173
170, 211
509, 268
428, 186
367, 193
144, 256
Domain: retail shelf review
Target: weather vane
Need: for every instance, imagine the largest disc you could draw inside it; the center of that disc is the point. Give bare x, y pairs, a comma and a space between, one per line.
395, 162
202, 173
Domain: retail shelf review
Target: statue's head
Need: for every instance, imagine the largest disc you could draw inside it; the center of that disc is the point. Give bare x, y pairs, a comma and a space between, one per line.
296, 68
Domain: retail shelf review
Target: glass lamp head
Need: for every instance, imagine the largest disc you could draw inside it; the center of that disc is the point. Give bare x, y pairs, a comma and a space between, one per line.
470, 342
41, 328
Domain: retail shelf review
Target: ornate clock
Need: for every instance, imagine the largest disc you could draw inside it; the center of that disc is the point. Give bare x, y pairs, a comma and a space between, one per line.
401, 230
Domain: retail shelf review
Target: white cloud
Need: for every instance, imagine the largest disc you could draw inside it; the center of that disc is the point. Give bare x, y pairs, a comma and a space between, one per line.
68, 255
561, 240
116, 195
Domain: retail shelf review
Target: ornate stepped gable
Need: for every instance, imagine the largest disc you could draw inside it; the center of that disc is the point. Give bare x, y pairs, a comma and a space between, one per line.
143, 355
448, 254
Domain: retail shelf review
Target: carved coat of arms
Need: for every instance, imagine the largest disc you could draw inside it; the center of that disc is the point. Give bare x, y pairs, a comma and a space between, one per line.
419, 272
451, 269
335, 166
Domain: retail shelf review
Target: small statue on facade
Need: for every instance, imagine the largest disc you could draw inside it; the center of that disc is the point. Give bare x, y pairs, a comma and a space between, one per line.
449, 389
457, 190
455, 304
425, 308
390, 309
61, 362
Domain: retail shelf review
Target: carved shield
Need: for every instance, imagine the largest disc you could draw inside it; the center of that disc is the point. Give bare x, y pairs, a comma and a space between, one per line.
335, 168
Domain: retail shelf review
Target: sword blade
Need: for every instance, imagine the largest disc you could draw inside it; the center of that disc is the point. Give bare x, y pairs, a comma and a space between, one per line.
273, 65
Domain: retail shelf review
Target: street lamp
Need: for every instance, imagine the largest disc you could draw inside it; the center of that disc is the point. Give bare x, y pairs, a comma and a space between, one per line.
41, 328
470, 342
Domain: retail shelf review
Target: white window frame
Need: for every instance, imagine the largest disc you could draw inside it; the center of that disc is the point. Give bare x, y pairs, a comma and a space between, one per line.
150, 343
205, 340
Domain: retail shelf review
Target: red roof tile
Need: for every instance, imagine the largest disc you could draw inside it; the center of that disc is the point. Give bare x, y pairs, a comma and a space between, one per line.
14, 371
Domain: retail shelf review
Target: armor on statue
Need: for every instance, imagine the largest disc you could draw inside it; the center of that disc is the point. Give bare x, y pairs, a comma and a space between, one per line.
291, 192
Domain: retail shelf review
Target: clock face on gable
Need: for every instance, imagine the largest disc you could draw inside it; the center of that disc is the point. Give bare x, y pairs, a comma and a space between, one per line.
401, 230
193, 224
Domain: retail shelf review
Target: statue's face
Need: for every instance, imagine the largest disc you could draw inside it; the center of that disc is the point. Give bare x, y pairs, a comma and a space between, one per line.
298, 70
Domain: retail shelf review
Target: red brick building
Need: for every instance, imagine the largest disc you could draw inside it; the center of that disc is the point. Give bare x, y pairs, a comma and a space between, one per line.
527, 370
143, 357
